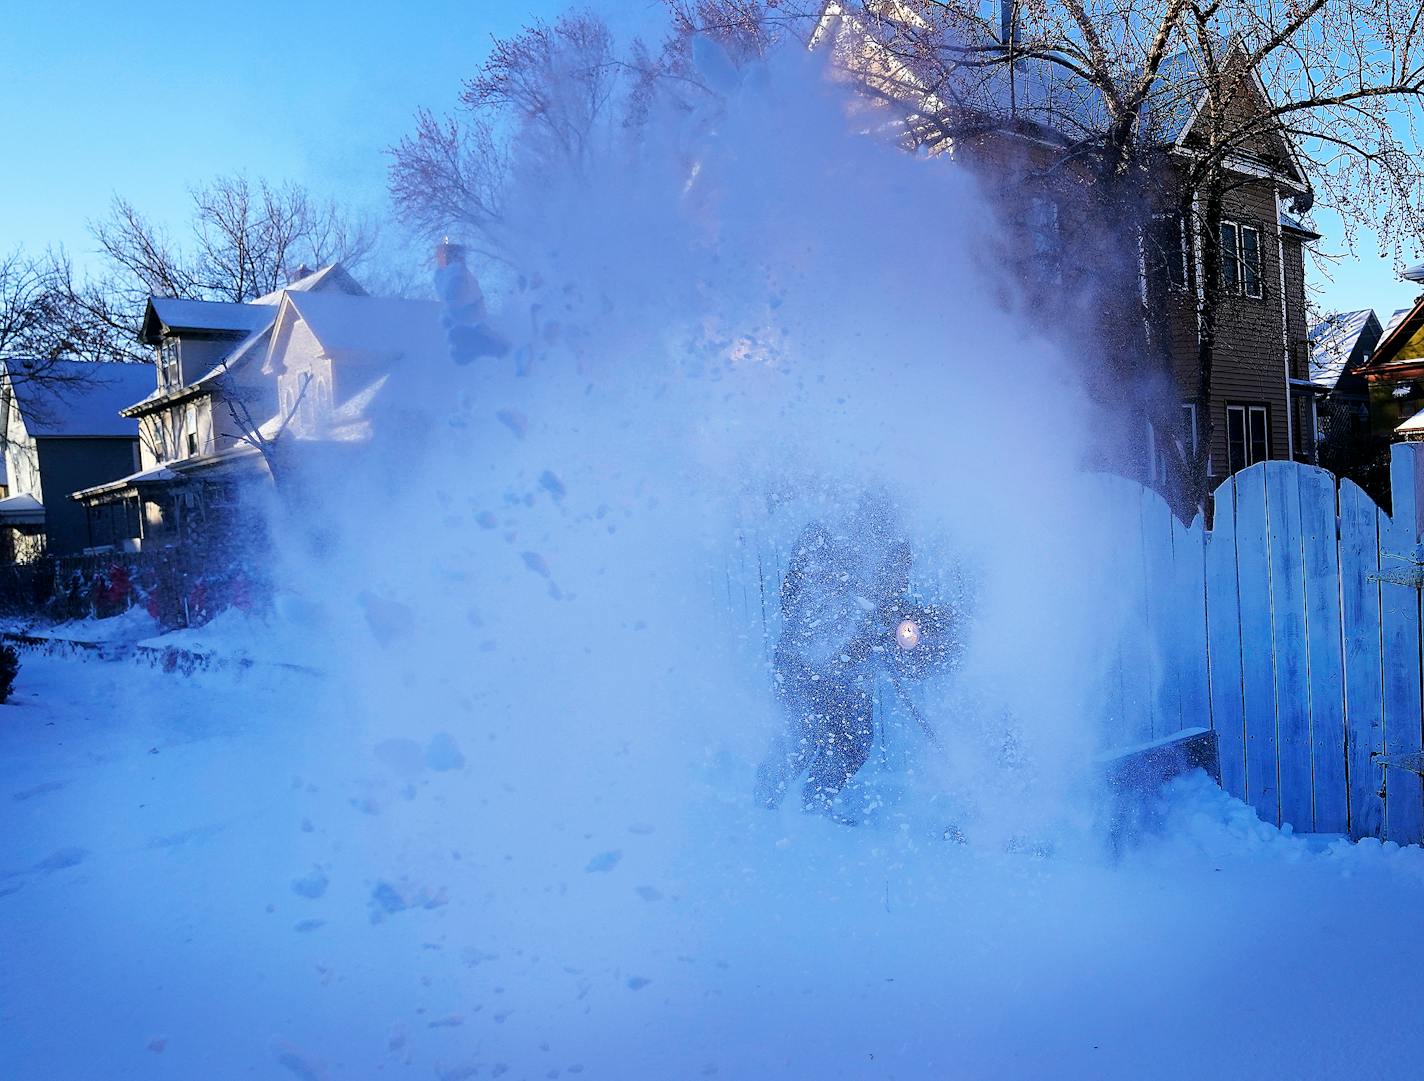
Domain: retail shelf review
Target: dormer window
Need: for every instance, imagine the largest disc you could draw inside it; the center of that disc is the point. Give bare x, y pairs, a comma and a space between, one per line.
170, 362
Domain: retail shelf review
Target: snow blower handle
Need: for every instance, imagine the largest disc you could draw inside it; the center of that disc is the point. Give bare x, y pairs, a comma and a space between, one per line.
925, 725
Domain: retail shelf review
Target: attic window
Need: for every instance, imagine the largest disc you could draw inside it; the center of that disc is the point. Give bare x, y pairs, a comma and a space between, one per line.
170, 361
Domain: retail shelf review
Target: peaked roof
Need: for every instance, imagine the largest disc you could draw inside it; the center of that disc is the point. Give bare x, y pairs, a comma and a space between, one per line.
1333, 342
1395, 319
331, 278
1043, 93
168, 314
376, 327
77, 398
1404, 328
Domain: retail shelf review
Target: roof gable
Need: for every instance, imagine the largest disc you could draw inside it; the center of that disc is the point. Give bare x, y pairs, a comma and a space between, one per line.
369, 326
1403, 341
167, 315
1338, 343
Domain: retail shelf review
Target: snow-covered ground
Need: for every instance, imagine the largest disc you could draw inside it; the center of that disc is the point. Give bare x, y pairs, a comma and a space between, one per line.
233, 883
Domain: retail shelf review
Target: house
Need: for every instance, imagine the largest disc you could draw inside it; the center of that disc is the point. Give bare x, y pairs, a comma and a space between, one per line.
198, 419
287, 378
1394, 373
1339, 347
63, 431
1261, 394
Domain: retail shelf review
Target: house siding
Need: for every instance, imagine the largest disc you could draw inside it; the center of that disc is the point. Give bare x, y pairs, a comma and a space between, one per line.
70, 465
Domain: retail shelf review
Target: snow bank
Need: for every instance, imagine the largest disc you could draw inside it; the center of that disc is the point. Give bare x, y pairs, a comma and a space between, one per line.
235, 885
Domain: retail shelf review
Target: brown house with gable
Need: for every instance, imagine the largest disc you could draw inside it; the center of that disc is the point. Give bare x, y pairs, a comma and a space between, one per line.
1261, 396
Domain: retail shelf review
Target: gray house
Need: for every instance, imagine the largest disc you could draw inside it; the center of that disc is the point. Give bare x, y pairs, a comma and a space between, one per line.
63, 432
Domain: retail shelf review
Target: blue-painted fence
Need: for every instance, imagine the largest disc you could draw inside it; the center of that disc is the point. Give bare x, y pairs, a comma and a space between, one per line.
1292, 627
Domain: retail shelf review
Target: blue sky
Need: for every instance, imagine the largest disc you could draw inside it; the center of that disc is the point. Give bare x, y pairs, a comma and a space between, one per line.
147, 100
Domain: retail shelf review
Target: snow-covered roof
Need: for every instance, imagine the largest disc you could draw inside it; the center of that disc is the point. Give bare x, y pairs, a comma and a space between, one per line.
1413, 426
156, 475
1296, 225
21, 509
211, 316
1332, 343
332, 277
373, 326
218, 316
1395, 320
77, 398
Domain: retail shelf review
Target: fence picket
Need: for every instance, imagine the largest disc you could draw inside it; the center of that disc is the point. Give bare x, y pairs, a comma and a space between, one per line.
1258, 678
1164, 673
1135, 666
1288, 636
1190, 642
1224, 633
1318, 526
1399, 609
1360, 635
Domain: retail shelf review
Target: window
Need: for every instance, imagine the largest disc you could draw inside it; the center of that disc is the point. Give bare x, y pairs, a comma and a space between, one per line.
1247, 436
1167, 250
1230, 260
1043, 234
1241, 259
190, 430
170, 362
1189, 427
1251, 261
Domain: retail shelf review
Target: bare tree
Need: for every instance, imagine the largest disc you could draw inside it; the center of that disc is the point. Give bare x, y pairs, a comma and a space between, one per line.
539, 104
1111, 83
266, 438
38, 330
26, 306
247, 239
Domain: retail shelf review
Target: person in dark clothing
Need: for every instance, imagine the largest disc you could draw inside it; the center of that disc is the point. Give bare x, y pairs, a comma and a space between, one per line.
846, 614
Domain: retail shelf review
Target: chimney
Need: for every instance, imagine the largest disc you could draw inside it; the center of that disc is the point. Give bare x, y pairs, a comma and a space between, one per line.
448, 253
300, 273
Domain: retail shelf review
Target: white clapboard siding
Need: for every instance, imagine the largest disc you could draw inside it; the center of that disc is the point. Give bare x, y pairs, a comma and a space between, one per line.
1399, 609
1318, 527
1364, 673
1223, 615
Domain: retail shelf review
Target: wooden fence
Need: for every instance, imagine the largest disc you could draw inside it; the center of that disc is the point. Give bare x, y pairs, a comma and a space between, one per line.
1292, 627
